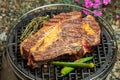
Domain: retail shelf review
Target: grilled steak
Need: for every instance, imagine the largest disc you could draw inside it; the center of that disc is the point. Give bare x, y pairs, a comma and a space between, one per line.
66, 33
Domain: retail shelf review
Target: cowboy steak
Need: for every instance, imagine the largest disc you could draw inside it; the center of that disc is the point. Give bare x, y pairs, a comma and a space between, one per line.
65, 33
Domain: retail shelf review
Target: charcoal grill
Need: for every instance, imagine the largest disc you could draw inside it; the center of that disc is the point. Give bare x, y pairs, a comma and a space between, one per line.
105, 52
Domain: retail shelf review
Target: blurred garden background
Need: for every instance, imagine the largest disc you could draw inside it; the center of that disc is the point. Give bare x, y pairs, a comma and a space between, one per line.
11, 10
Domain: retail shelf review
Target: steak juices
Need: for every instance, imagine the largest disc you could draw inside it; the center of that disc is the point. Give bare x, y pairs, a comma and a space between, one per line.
64, 34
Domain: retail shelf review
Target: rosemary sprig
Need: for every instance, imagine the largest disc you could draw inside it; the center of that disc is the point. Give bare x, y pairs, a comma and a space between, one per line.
32, 26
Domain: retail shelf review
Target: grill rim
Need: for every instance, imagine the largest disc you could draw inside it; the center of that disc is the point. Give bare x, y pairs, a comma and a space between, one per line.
112, 37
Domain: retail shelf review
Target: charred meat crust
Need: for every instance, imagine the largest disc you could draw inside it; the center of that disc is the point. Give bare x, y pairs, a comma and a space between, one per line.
64, 34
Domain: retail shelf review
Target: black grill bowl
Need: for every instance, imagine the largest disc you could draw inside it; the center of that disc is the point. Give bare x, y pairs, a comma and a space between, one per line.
105, 52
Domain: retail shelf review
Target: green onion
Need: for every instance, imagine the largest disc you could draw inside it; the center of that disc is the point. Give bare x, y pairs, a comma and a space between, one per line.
73, 64
67, 70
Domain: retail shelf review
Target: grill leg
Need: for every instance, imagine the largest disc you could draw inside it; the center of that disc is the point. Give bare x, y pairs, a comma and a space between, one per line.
6, 72
0, 63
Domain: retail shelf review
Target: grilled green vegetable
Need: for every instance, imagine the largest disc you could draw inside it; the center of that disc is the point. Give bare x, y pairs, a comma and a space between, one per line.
73, 64
70, 66
67, 70
32, 26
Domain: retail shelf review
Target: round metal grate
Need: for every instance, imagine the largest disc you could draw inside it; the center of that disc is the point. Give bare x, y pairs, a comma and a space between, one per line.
104, 52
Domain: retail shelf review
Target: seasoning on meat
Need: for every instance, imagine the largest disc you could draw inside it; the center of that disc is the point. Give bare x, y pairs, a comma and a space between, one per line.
65, 33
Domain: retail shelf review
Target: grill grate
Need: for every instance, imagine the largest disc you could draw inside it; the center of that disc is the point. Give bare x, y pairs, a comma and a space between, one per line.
104, 52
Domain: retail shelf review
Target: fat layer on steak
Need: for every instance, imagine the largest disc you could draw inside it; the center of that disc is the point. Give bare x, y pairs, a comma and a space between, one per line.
65, 33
